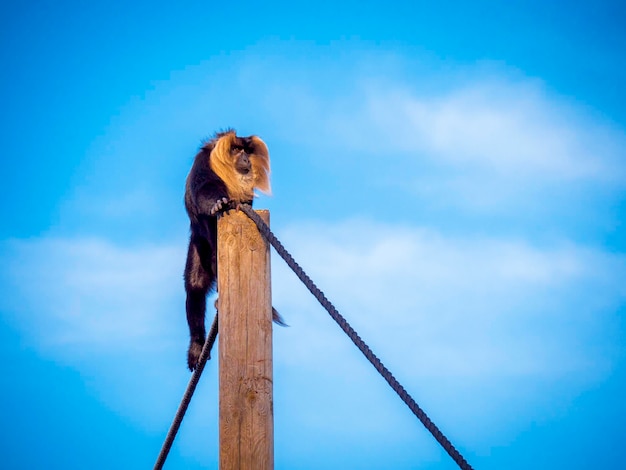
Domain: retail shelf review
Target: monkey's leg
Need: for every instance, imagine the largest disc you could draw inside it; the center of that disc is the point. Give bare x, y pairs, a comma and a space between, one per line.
198, 281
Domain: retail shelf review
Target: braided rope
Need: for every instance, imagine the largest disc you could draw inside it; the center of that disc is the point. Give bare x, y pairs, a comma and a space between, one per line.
191, 387
356, 339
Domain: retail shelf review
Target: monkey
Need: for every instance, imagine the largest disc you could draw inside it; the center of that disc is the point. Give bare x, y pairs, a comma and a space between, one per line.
225, 173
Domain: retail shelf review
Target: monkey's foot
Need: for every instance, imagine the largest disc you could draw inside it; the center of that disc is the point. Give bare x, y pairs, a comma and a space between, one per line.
193, 355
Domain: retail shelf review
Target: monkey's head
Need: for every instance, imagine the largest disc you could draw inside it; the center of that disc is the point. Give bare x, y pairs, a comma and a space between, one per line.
242, 163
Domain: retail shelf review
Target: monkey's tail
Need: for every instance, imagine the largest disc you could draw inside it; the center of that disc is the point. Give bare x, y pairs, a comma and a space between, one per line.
277, 318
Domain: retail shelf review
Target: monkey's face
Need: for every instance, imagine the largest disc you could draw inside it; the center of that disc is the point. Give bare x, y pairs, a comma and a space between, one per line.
242, 163
240, 153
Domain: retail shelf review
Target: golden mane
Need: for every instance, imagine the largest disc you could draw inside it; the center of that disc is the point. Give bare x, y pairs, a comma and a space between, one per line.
241, 187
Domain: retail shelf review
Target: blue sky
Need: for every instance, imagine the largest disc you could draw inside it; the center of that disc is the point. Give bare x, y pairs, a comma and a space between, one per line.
452, 176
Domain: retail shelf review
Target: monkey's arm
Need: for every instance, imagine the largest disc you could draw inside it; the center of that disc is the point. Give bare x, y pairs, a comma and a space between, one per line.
209, 196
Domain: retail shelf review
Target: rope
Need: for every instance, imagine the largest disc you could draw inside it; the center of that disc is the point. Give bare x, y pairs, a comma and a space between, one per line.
191, 387
356, 339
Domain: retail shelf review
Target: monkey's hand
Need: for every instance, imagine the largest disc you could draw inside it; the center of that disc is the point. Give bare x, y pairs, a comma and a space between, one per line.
222, 205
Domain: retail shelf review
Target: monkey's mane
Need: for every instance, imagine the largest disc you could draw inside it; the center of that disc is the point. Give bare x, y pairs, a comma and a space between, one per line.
241, 187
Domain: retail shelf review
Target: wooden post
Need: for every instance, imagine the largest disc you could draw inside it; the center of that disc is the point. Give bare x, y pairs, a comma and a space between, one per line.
246, 437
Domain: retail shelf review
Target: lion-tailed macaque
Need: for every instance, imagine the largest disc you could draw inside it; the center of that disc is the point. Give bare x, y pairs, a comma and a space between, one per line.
225, 173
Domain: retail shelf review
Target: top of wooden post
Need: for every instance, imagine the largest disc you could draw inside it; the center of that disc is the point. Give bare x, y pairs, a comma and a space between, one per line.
245, 345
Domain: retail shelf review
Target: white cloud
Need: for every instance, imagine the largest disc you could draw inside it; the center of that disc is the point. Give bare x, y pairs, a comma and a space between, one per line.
436, 309
89, 294
484, 332
475, 307
475, 139
502, 127
491, 122
487, 141
480, 308
115, 313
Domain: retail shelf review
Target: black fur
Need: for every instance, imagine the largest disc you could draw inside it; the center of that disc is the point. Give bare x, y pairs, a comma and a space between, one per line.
205, 194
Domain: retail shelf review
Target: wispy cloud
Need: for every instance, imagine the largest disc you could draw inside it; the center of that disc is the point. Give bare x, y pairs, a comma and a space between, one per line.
488, 309
504, 127
90, 294
485, 312
479, 307
484, 144
113, 312
487, 139
486, 306
475, 141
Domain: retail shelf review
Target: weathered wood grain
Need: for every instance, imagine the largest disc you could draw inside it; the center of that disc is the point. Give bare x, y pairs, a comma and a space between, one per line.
245, 345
